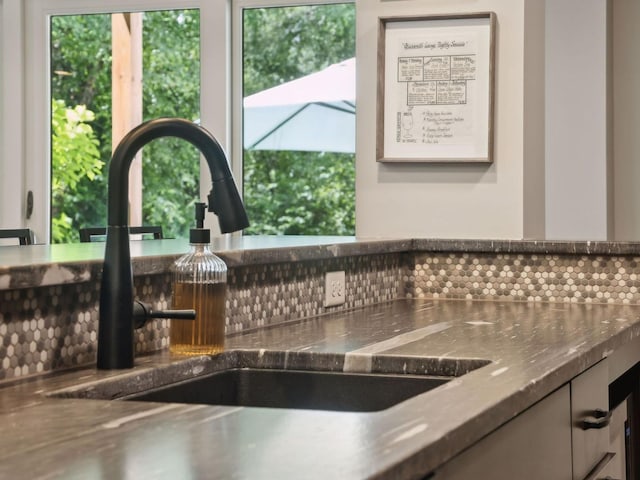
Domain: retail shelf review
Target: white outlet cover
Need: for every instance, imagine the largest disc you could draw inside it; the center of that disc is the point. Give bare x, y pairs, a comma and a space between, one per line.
334, 289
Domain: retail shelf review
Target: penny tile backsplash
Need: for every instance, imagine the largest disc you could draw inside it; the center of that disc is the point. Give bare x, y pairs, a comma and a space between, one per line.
55, 327
553, 278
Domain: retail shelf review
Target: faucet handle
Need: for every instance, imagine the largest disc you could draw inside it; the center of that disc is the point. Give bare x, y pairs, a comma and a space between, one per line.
143, 312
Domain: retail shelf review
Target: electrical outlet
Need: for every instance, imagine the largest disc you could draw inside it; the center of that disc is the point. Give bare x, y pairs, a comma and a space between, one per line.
334, 287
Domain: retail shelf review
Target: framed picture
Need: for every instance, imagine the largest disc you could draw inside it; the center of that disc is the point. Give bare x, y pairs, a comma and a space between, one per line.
435, 88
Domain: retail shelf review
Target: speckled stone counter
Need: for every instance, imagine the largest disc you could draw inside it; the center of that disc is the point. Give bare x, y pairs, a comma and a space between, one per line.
41, 265
49, 306
533, 348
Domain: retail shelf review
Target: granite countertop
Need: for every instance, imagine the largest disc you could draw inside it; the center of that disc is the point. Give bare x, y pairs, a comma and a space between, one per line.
533, 348
42, 265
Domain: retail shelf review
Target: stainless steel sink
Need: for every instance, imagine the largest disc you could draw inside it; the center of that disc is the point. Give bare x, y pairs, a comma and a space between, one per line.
252, 387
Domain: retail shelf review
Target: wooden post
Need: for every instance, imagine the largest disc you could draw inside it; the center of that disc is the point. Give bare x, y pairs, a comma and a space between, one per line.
126, 102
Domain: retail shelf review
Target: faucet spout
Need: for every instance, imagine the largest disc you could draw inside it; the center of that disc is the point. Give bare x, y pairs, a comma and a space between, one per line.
116, 324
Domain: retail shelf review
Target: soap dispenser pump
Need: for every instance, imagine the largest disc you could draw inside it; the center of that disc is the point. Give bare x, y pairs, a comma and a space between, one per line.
200, 283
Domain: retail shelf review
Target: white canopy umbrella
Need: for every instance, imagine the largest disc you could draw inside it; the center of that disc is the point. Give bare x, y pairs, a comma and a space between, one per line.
314, 113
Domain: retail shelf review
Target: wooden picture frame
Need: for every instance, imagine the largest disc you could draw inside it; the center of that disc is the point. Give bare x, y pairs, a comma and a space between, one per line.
436, 88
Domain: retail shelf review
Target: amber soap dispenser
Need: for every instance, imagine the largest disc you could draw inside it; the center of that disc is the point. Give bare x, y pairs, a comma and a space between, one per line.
200, 283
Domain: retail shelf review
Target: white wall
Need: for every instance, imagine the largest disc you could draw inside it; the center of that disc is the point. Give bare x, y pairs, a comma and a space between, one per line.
2, 168
534, 210
458, 200
11, 115
578, 169
626, 118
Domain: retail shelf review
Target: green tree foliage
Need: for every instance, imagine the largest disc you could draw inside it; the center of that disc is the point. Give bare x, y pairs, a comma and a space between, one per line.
76, 158
297, 193
171, 167
82, 76
282, 44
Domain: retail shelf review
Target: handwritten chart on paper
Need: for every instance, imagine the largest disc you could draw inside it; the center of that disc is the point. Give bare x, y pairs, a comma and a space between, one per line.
436, 94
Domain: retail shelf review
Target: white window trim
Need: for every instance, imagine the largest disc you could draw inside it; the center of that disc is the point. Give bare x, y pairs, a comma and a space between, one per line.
34, 128
12, 166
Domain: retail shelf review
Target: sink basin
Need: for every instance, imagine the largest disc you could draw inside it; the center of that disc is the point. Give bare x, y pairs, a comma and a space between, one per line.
278, 379
316, 390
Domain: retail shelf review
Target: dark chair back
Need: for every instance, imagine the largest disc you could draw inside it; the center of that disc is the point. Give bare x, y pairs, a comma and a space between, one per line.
86, 234
24, 235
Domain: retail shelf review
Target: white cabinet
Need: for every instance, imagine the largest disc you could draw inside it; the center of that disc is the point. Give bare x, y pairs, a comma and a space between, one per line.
590, 419
617, 442
534, 445
564, 436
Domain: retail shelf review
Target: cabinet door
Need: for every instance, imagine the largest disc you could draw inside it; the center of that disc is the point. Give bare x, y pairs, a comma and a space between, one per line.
606, 468
590, 419
617, 467
534, 445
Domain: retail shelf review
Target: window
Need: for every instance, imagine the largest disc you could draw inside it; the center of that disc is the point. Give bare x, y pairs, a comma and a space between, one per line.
28, 137
213, 92
298, 130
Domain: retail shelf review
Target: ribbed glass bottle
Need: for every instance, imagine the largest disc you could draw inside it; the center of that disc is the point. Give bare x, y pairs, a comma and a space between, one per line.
199, 282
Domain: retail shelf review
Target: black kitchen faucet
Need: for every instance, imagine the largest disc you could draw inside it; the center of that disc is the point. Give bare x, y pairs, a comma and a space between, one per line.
117, 319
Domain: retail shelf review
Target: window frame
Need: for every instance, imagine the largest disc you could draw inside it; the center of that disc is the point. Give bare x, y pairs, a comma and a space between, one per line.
35, 131
25, 92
